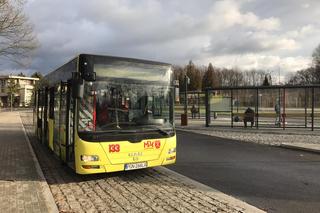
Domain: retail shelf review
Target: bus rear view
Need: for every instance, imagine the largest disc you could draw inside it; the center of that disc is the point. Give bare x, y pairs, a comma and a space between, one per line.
120, 115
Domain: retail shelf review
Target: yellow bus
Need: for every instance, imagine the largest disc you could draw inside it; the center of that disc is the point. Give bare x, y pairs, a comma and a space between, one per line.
104, 114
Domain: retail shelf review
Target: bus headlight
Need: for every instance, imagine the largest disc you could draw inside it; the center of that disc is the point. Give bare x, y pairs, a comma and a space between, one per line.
172, 150
87, 158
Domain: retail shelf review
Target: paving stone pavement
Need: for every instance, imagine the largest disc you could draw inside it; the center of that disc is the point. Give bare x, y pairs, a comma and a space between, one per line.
22, 189
148, 190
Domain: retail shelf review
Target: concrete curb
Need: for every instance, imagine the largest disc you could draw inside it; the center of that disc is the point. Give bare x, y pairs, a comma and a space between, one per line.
252, 131
51, 205
227, 198
314, 148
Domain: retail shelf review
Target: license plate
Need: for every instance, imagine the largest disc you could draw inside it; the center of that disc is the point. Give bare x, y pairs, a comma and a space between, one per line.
132, 166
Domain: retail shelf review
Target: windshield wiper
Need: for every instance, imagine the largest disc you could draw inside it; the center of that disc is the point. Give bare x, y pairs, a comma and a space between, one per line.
165, 131
117, 131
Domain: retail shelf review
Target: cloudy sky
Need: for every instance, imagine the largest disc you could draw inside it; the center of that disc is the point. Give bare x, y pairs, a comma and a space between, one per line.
261, 34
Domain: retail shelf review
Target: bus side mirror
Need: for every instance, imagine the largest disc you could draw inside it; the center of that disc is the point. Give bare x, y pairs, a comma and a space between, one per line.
86, 67
77, 86
89, 76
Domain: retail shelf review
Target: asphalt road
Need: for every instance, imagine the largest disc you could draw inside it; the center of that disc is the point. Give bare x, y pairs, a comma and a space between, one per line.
271, 178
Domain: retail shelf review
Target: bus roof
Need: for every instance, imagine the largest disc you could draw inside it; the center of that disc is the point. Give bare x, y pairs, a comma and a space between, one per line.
118, 58
64, 72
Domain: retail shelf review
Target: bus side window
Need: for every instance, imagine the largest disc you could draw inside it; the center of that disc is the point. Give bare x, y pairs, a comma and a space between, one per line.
51, 103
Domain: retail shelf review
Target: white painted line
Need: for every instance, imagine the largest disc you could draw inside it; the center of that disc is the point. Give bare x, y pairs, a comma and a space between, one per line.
233, 202
52, 207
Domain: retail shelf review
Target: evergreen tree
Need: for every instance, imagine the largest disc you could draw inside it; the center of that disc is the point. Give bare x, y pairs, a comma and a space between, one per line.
190, 71
181, 81
207, 77
197, 81
210, 78
266, 81
37, 75
21, 74
194, 75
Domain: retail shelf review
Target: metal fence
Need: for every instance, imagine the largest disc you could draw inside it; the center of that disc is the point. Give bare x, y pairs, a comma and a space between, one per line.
273, 106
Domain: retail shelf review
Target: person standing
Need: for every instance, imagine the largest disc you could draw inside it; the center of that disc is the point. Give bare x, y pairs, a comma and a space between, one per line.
277, 109
248, 117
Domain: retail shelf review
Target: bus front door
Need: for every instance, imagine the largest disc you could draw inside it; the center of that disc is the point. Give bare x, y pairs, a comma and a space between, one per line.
66, 124
70, 127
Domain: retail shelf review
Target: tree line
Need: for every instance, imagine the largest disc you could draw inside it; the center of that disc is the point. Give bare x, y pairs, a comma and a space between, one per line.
202, 77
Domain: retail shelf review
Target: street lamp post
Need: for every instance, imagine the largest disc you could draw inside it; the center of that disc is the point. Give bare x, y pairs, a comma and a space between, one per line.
11, 102
186, 82
260, 95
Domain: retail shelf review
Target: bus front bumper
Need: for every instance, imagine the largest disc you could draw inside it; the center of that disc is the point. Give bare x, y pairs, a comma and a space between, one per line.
106, 168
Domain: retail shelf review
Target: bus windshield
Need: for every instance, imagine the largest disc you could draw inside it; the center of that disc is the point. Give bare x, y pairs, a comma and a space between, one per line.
126, 102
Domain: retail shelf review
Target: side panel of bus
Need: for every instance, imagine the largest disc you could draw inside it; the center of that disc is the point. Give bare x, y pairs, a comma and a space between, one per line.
60, 122
51, 118
45, 137
56, 129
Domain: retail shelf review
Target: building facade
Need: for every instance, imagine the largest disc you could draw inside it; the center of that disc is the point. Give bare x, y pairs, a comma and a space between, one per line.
23, 90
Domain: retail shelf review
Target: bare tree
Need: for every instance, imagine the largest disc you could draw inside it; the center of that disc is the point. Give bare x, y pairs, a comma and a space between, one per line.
17, 39
316, 64
230, 77
316, 56
254, 77
303, 77
310, 75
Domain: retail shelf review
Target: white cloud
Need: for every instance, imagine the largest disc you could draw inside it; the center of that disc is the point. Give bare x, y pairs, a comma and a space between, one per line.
226, 14
303, 32
176, 31
259, 61
244, 42
280, 44
306, 5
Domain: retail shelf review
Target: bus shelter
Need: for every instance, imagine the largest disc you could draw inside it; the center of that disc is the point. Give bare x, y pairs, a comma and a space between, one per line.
272, 106
195, 103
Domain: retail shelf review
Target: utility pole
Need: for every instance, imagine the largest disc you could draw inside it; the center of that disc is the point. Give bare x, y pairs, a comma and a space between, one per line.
11, 101
186, 79
279, 74
184, 117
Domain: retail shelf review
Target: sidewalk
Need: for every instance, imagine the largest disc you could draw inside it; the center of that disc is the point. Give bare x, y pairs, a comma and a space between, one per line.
22, 184
301, 139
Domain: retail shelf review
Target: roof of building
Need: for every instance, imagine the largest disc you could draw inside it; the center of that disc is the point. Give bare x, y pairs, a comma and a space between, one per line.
18, 77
